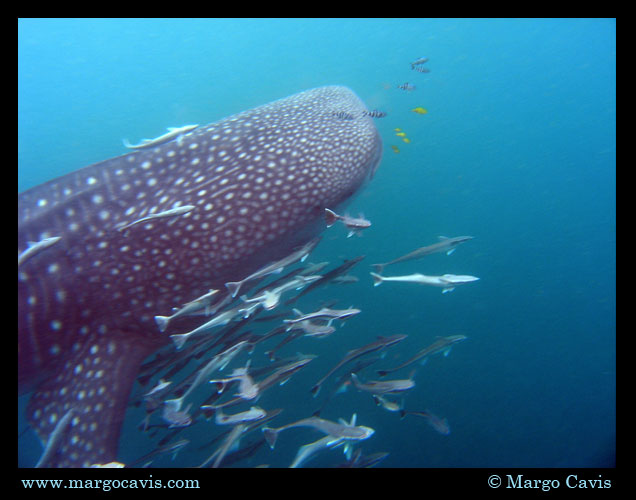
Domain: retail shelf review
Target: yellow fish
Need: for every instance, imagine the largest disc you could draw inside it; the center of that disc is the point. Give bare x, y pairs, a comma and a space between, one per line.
406, 139
395, 148
398, 129
419, 110
401, 134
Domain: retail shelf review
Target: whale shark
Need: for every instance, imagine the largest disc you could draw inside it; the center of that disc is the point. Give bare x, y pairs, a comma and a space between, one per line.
114, 244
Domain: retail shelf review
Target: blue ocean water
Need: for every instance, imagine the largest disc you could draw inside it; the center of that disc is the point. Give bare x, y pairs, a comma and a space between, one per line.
518, 149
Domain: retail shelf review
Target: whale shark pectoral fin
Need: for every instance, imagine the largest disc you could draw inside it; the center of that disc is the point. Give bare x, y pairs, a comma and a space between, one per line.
95, 381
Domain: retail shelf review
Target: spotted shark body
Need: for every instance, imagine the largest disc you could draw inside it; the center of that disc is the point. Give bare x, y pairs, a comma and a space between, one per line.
259, 182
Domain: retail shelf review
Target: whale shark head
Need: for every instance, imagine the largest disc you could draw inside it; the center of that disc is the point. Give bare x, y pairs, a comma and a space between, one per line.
255, 186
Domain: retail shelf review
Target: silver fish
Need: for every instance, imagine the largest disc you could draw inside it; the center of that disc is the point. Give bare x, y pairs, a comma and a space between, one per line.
445, 244
324, 313
377, 345
354, 224
379, 387
55, 439
176, 418
232, 438
275, 267
332, 441
254, 413
442, 344
161, 385
247, 388
269, 299
197, 304
312, 329
340, 429
34, 248
173, 132
307, 451
447, 282
387, 404
217, 362
439, 424
166, 213
223, 318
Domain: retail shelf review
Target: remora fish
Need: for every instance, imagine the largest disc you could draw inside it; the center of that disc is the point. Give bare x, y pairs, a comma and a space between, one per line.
86, 304
377, 345
445, 244
354, 224
254, 413
439, 424
340, 429
173, 132
341, 269
442, 344
344, 436
34, 248
298, 255
379, 387
324, 313
447, 282
307, 451
269, 299
217, 362
168, 213
202, 302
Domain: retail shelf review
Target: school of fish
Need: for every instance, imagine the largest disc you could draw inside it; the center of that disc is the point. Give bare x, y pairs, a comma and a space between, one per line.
214, 358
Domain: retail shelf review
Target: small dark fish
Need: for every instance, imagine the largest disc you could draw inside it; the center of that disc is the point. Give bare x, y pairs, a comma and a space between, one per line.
173, 448
439, 424
406, 86
376, 113
342, 115
418, 61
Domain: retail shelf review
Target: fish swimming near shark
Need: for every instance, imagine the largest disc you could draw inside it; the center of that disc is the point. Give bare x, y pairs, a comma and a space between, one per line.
447, 282
447, 245
441, 344
336, 429
173, 133
259, 182
378, 387
353, 224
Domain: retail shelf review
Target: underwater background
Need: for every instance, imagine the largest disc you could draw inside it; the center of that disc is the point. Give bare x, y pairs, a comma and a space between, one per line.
517, 148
